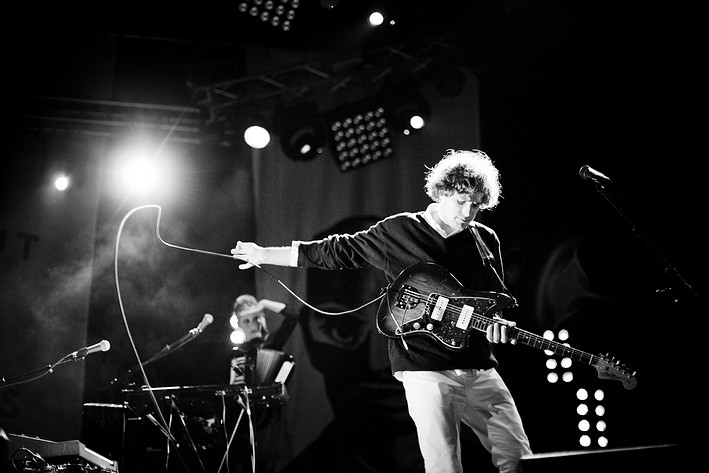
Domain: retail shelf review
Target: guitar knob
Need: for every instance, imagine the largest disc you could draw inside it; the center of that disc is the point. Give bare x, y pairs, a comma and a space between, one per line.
429, 327
417, 325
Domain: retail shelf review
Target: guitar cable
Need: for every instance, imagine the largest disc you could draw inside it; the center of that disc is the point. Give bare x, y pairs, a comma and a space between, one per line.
488, 259
320, 311
398, 326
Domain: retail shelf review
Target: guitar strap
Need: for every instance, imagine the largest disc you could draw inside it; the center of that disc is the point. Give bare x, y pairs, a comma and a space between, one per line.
488, 259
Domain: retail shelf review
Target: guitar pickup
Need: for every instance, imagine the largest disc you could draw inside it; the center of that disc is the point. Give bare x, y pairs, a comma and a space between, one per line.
439, 309
466, 314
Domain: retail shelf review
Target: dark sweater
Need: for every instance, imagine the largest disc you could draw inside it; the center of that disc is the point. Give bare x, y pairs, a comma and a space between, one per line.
394, 244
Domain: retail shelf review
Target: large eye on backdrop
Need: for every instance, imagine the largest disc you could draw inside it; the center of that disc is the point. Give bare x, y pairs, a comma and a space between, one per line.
341, 331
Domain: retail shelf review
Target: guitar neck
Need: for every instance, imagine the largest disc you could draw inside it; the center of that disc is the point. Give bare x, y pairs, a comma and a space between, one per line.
528, 338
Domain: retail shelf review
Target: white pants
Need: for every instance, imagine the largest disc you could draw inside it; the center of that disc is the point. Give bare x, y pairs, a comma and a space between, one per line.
440, 400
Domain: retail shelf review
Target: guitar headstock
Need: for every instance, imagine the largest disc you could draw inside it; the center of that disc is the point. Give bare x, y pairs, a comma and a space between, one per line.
610, 368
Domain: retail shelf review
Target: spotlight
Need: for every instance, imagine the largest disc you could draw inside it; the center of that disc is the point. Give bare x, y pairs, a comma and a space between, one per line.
305, 142
329, 4
139, 172
257, 136
61, 183
375, 18
302, 133
237, 337
409, 113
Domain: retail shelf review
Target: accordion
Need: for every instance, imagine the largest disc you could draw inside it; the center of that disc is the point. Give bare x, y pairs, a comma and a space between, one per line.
268, 366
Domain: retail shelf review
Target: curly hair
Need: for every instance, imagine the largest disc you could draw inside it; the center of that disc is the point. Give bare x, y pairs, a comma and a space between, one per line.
467, 172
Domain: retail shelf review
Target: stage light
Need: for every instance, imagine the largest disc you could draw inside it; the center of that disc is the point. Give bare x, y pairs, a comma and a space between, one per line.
305, 142
409, 113
584, 424
139, 173
257, 136
277, 13
143, 167
302, 132
548, 335
65, 171
61, 183
417, 122
359, 134
237, 337
329, 4
375, 18
551, 363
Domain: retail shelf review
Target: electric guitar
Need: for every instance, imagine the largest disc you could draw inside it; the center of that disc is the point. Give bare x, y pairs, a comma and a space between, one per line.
426, 299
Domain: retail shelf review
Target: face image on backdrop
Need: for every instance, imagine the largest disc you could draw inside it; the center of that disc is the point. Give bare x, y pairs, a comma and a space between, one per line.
371, 430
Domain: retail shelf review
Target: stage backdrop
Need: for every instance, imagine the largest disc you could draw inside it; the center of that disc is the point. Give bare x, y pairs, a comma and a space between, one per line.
46, 259
298, 200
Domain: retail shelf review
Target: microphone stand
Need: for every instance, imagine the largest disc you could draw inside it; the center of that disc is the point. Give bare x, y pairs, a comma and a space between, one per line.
181, 416
45, 370
638, 233
167, 349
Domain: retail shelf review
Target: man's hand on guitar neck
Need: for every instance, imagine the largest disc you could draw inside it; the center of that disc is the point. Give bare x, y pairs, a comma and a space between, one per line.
497, 332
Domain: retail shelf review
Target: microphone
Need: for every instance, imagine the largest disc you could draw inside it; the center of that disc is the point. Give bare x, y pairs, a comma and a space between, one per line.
206, 320
587, 172
103, 345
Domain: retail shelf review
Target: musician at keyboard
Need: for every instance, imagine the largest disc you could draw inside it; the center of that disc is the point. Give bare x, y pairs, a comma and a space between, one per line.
259, 360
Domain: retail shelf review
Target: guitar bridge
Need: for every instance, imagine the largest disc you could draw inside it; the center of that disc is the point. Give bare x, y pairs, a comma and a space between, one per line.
409, 297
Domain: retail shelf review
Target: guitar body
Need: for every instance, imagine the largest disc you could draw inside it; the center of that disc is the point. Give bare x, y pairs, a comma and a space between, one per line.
426, 299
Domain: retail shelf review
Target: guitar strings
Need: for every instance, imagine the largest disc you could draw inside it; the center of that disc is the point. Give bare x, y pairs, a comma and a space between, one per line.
606, 367
481, 321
